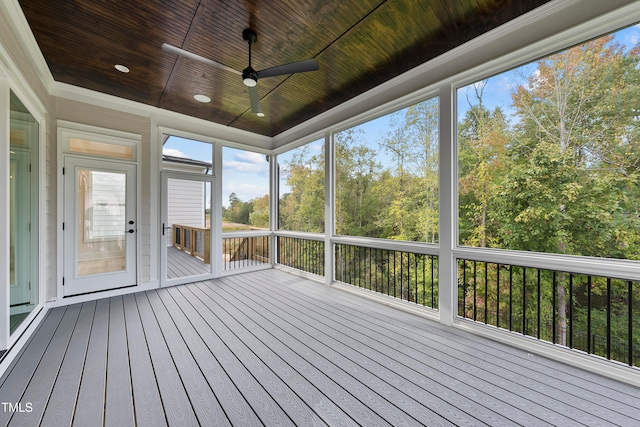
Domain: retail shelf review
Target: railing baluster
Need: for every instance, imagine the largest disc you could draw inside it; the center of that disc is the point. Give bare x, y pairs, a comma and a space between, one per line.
539, 318
554, 308
401, 275
608, 318
475, 317
589, 314
424, 279
486, 292
497, 295
570, 310
630, 320
464, 290
524, 300
511, 297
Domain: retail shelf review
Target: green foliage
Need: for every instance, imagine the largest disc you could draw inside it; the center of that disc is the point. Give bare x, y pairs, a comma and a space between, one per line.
562, 179
254, 212
302, 209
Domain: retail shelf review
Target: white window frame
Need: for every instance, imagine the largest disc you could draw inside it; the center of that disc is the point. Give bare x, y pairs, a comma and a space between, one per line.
607, 24
13, 82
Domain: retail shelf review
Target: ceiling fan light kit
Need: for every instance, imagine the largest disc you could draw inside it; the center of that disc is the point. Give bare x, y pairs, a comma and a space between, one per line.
249, 75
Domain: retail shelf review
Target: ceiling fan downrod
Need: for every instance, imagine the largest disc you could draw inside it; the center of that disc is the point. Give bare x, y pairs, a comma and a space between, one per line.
249, 75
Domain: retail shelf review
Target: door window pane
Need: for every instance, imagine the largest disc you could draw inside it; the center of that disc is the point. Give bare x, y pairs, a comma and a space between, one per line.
101, 202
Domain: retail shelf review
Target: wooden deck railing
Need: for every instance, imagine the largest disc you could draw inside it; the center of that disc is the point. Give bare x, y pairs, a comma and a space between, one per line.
245, 251
193, 240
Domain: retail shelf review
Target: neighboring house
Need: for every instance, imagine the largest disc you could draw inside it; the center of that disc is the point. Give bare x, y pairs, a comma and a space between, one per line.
186, 199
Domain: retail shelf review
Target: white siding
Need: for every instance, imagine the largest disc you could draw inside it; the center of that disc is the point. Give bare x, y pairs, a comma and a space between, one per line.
185, 203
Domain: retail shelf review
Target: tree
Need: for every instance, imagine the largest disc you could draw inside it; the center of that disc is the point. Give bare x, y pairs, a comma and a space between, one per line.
409, 188
302, 209
356, 171
483, 137
238, 211
569, 188
259, 216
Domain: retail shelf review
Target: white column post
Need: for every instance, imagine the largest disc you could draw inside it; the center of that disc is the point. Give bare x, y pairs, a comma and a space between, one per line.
447, 272
274, 200
329, 206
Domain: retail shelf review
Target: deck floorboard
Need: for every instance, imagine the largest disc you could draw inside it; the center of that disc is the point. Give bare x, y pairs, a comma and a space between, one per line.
267, 348
501, 384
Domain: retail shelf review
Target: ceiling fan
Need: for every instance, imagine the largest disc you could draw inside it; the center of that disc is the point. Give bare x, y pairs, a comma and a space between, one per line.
249, 75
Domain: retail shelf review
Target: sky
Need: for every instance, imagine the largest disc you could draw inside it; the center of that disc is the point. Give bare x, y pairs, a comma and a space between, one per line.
247, 173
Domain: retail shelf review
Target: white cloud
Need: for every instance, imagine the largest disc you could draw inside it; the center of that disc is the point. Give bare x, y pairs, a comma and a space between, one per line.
245, 167
174, 152
250, 157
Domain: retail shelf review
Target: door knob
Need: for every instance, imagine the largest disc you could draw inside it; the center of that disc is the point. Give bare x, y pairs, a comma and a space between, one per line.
130, 230
130, 222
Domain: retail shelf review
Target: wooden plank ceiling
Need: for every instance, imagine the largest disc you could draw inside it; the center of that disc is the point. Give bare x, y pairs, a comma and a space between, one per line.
358, 44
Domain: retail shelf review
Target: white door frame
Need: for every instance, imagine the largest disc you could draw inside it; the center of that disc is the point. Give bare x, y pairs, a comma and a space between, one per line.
72, 283
165, 176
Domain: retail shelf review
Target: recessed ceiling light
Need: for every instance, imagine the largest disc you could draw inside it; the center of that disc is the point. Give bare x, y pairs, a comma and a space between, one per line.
260, 114
202, 98
122, 68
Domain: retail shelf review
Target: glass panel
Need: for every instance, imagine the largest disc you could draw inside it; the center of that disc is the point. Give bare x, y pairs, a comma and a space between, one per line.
188, 228
95, 148
301, 190
387, 176
23, 216
245, 190
187, 155
101, 222
549, 153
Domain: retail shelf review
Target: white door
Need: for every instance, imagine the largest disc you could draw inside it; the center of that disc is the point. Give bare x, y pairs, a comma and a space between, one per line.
185, 229
99, 225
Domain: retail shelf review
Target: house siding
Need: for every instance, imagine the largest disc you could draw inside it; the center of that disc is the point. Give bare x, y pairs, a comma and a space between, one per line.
185, 203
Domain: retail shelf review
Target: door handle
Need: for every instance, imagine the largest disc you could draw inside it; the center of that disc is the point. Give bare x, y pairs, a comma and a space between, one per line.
130, 230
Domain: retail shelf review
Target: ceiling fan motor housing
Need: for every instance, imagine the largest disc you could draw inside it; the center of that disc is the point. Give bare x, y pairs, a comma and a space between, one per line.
249, 77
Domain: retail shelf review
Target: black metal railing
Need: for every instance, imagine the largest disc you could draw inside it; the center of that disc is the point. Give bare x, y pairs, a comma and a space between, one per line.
302, 254
243, 252
409, 276
595, 314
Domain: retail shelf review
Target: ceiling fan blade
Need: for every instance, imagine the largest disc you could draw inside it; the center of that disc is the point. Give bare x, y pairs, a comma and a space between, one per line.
254, 98
177, 51
295, 67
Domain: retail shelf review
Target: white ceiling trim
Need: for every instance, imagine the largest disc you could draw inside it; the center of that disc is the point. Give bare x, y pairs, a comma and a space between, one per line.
20, 27
161, 116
